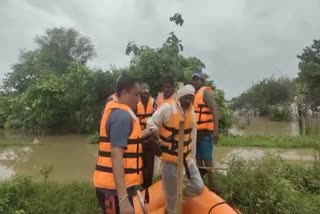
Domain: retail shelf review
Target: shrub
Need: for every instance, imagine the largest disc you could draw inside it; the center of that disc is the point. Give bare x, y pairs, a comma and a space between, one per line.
270, 185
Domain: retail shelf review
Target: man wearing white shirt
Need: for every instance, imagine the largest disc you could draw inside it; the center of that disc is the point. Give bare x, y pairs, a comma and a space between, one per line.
166, 120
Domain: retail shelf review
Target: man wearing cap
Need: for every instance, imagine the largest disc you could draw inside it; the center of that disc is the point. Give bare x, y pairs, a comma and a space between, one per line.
166, 120
207, 123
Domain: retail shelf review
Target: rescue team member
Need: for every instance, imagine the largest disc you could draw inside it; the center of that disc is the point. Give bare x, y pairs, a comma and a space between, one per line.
146, 106
166, 120
207, 123
168, 93
119, 163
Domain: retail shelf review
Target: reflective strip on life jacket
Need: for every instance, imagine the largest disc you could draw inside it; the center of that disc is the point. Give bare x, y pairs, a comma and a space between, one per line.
144, 113
169, 135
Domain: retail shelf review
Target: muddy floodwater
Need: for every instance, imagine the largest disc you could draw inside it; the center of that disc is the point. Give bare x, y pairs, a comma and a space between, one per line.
264, 126
73, 158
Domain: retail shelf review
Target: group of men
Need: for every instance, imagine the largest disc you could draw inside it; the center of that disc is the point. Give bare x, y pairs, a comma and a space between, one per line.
131, 116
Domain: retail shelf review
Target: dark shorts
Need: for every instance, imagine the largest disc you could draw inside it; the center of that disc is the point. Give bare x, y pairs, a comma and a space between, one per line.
109, 203
205, 148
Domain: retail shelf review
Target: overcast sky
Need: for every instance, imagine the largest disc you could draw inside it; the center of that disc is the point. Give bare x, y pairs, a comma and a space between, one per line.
240, 41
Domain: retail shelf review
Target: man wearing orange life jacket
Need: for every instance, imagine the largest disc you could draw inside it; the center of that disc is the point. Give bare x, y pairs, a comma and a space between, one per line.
119, 163
207, 123
146, 106
166, 120
168, 93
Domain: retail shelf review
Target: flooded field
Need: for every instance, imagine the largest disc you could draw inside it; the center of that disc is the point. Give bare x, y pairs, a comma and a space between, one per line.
73, 158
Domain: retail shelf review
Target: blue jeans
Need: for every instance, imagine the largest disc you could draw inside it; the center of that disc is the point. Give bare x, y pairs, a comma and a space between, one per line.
205, 148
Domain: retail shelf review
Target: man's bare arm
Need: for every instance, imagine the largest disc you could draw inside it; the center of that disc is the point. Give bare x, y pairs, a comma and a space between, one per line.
118, 170
209, 100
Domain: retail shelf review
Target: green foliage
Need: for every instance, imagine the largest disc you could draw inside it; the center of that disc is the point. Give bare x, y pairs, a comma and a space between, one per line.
280, 113
61, 102
151, 64
51, 88
4, 109
24, 72
309, 75
225, 113
46, 170
265, 94
21, 195
57, 48
60, 46
177, 19
94, 138
270, 185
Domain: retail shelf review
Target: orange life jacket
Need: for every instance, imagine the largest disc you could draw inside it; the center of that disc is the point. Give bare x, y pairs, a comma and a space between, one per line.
132, 158
144, 113
169, 134
161, 100
203, 113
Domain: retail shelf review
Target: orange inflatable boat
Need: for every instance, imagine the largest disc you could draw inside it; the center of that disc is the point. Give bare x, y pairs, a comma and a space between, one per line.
207, 202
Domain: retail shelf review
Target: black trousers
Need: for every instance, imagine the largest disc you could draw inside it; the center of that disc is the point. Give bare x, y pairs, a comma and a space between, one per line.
110, 203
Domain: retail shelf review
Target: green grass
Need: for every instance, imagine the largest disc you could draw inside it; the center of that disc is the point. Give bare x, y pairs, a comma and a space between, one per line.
271, 141
22, 195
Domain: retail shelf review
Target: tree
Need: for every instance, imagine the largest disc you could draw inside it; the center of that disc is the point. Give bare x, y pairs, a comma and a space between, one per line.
151, 64
57, 49
267, 93
50, 87
24, 72
59, 46
309, 75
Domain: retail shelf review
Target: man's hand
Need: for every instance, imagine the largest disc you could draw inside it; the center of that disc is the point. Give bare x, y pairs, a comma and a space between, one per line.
150, 132
215, 136
126, 207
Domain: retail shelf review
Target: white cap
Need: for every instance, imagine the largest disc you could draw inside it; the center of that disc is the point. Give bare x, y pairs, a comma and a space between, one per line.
185, 90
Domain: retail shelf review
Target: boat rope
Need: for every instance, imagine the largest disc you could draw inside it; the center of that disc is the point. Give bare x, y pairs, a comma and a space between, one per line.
223, 202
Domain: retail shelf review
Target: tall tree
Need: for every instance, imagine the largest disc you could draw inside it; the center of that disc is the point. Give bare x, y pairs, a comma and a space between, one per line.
151, 64
267, 93
59, 46
57, 49
50, 87
309, 75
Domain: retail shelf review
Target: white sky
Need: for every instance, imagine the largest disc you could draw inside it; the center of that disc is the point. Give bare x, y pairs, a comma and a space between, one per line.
240, 41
